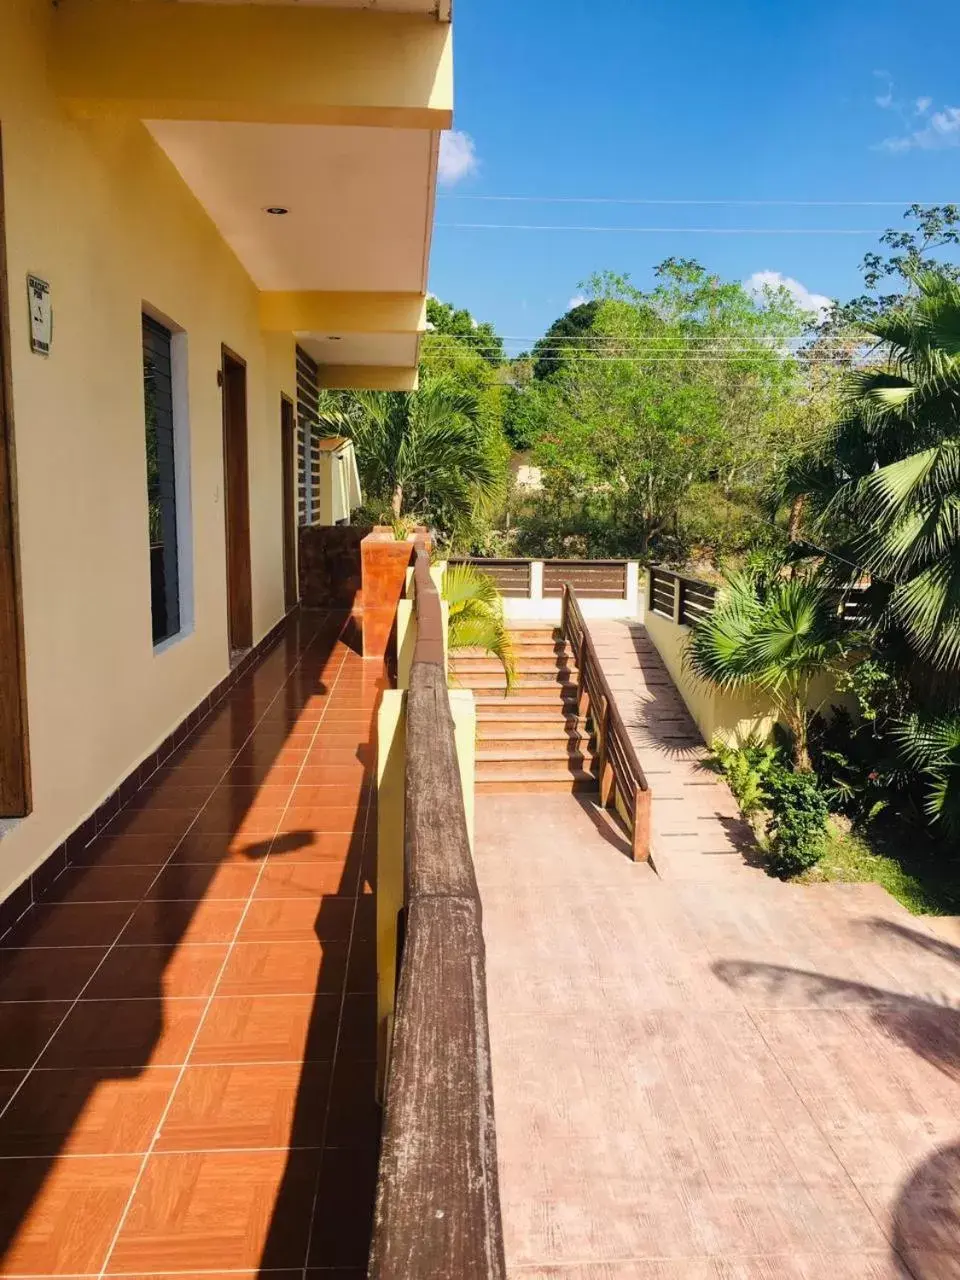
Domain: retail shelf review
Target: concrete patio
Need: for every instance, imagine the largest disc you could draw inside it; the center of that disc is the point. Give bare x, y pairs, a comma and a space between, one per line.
712, 1079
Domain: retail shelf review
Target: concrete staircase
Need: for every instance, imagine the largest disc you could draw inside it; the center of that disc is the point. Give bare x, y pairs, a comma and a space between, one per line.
532, 739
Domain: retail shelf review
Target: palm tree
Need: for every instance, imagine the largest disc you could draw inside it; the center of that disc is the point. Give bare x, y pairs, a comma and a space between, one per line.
476, 616
932, 746
773, 635
884, 483
423, 452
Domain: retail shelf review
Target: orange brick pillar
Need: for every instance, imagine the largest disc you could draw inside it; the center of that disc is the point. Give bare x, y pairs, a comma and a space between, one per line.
384, 563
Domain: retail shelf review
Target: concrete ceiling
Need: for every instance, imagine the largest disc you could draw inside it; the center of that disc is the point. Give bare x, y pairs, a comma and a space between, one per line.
360, 204
438, 8
388, 350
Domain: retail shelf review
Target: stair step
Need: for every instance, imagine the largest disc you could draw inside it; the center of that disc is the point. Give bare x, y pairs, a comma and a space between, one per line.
537, 784
494, 679
522, 665
517, 764
544, 695
535, 635
553, 730
550, 650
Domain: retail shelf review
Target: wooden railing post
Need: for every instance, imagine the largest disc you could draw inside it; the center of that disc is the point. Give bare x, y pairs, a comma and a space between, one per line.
604, 768
581, 672
677, 598
563, 611
640, 845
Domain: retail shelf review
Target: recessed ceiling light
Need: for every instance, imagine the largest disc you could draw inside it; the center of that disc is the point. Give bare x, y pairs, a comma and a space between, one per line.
277, 210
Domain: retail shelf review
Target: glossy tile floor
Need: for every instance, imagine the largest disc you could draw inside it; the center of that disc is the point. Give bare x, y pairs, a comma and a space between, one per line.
187, 1024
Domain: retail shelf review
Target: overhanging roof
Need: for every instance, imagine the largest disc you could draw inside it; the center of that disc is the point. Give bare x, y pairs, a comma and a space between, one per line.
328, 109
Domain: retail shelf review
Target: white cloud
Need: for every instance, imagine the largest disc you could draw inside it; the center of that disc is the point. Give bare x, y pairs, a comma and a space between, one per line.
884, 99
576, 301
817, 304
458, 157
942, 131
923, 105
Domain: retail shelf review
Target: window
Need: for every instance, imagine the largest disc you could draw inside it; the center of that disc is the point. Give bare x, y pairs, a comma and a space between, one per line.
161, 479
308, 436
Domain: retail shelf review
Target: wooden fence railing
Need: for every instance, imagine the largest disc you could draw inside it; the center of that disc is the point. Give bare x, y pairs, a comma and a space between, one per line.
687, 600
511, 576
438, 1198
618, 769
519, 579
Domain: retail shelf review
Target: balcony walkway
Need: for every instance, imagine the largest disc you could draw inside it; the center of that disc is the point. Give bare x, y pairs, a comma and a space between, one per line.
710, 1075
187, 1024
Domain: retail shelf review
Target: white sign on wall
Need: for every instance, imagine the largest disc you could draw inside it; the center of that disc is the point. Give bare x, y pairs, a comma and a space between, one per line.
41, 315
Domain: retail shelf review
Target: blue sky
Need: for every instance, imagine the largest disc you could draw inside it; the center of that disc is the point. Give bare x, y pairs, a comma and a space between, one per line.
654, 99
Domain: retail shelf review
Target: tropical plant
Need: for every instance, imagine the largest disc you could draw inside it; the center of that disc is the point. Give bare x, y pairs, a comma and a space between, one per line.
932, 745
773, 635
883, 485
424, 452
797, 825
746, 768
476, 618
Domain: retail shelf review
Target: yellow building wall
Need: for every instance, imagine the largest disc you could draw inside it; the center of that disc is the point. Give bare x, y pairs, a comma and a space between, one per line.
730, 716
95, 208
734, 717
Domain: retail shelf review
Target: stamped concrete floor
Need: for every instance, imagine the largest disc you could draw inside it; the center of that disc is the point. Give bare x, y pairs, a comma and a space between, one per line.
712, 1077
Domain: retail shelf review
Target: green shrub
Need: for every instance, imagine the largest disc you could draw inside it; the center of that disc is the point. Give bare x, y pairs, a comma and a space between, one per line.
797, 825
746, 768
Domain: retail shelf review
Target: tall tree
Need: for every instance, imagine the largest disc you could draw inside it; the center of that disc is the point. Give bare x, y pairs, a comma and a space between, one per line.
884, 483
571, 331
675, 386
424, 453
448, 321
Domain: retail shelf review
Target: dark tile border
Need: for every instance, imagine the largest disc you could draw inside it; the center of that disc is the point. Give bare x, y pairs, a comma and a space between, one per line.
38, 883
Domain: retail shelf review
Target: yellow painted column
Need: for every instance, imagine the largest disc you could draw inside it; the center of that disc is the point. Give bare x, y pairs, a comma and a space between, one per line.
391, 760
464, 710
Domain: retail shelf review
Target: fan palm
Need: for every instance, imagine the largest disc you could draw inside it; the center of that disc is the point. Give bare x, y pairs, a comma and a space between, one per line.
476, 616
933, 747
423, 452
886, 478
772, 635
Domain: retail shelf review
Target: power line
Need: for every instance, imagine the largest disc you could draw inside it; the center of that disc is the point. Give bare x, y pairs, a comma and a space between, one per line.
642, 200
712, 231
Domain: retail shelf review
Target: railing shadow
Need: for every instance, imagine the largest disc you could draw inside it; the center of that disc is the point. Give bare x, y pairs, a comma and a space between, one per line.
925, 1218
127, 1021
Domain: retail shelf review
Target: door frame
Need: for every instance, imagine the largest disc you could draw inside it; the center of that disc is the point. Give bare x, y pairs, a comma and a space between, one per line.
16, 799
288, 479
236, 504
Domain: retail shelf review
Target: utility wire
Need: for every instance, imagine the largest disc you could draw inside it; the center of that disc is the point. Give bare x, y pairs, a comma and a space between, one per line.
742, 204
705, 231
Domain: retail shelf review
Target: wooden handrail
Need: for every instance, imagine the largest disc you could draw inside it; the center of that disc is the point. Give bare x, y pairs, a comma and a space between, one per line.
621, 772
438, 1197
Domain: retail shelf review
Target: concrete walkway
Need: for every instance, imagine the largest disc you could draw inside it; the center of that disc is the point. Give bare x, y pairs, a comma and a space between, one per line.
697, 831
711, 1075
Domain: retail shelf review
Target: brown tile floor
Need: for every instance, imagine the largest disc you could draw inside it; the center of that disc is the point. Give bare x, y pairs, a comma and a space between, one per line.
187, 1023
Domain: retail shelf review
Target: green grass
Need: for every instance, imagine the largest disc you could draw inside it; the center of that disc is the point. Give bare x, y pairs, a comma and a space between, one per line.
925, 879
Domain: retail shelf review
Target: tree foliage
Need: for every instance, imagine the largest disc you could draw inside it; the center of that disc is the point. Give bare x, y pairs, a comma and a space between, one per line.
775, 635
422, 453
883, 484
687, 384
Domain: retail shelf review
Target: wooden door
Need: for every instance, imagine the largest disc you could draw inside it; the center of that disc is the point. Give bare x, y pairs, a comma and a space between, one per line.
236, 503
288, 445
14, 755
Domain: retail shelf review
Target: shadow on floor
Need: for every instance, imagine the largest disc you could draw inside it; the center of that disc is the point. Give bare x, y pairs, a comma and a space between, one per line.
926, 1216
102, 980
